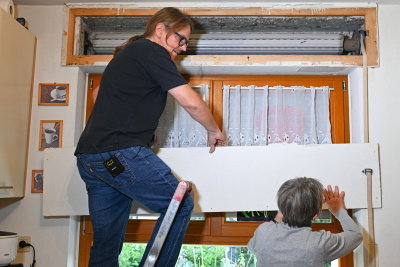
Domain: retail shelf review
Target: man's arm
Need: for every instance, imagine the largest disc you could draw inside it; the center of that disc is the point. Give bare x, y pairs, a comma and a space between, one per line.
94, 93
199, 111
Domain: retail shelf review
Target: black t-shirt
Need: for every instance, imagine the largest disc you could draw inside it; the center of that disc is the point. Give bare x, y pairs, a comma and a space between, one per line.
131, 98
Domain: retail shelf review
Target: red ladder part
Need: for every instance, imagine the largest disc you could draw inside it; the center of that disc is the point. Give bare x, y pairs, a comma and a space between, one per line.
162, 233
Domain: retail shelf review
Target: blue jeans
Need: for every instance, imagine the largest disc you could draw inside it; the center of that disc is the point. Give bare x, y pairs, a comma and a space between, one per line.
146, 179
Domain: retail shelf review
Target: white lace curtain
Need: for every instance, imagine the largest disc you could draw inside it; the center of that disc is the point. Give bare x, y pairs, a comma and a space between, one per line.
263, 115
177, 128
253, 116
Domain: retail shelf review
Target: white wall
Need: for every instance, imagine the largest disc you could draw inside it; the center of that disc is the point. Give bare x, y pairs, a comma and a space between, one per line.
384, 110
51, 237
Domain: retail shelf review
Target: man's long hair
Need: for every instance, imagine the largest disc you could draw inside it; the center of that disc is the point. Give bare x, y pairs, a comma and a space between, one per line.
173, 19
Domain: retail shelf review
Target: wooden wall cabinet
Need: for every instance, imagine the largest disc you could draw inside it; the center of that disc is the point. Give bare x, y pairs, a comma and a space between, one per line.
17, 57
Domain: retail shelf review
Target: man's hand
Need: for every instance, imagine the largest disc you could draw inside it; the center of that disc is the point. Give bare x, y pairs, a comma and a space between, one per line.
216, 139
334, 200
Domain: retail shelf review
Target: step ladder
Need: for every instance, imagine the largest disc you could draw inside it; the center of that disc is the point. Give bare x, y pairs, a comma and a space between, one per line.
162, 233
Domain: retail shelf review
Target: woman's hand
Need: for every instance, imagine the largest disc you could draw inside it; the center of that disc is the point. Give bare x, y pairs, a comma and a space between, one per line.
334, 200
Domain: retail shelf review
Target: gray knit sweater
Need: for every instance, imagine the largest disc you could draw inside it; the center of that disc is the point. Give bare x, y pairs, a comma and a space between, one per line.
282, 245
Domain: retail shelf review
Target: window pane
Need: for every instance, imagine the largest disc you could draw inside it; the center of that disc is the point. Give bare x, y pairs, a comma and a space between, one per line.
176, 128
250, 216
131, 254
198, 216
325, 217
266, 216
152, 216
215, 256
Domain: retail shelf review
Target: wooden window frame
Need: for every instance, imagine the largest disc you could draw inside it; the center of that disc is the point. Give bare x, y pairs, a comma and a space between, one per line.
369, 15
215, 230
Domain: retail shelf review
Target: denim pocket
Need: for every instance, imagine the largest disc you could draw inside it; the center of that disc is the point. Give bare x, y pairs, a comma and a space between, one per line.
123, 180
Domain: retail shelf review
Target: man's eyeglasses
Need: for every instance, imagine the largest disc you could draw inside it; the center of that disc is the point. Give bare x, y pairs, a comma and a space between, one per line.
182, 40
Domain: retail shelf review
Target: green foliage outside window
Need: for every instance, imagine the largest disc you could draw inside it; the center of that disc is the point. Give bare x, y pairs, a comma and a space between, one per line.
131, 255
215, 256
195, 256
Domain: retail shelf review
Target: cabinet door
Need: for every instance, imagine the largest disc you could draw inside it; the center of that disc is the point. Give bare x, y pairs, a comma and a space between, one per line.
17, 50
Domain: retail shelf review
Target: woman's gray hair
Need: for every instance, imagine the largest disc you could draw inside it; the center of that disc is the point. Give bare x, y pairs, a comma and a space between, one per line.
299, 199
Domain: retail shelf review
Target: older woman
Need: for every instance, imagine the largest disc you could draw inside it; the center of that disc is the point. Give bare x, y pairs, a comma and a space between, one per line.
113, 154
290, 241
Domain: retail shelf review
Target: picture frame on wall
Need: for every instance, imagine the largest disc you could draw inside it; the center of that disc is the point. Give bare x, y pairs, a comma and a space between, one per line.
37, 181
53, 94
50, 135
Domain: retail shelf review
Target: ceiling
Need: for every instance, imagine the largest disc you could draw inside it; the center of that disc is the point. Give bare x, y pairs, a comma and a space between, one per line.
61, 2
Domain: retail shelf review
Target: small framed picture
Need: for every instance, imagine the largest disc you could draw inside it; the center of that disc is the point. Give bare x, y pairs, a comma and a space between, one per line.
53, 94
50, 134
37, 181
